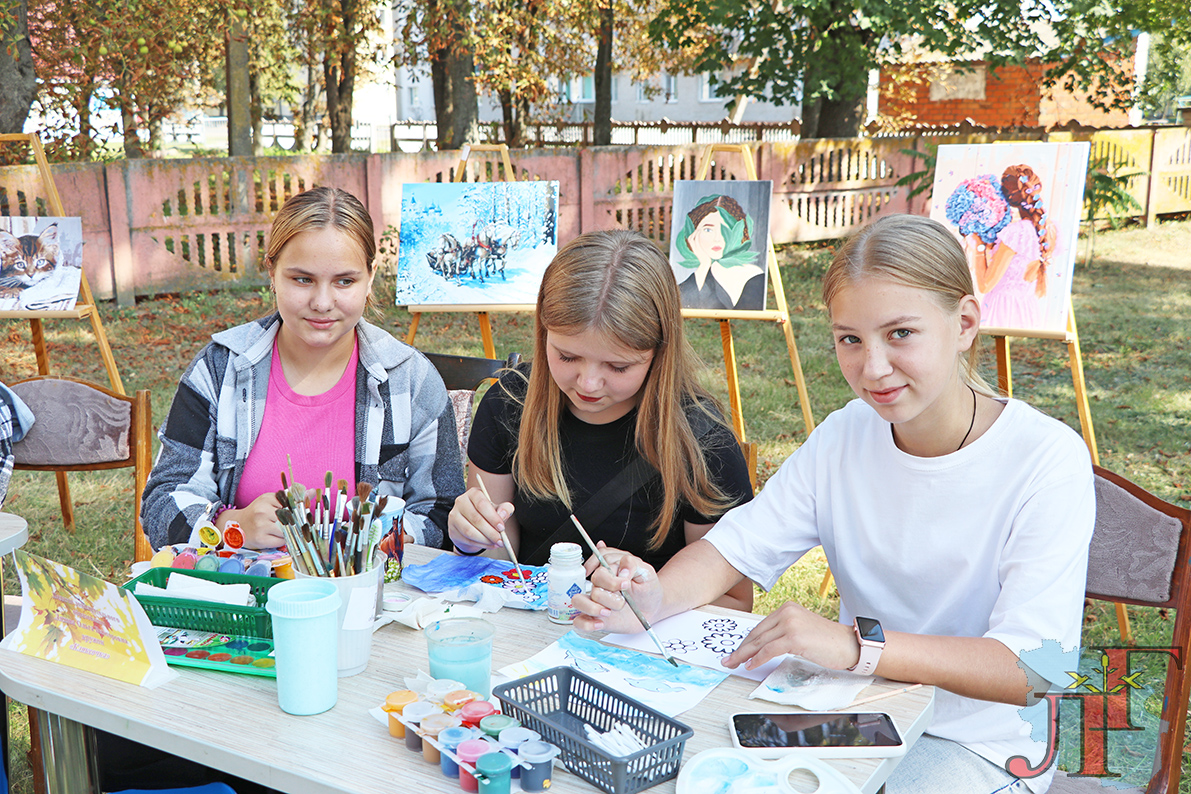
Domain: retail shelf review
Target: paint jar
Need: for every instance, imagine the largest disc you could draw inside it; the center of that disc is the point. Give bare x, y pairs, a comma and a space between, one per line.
453, 701
306, 642
208, 563
283, 568
233, 536
438, 689
450, 739
358, 610
495, 769
461, 649
540, 757
232, 565
512, 739
472, 713
209, 534
164, 558
186, 560
493, 724
414, 713
431, 727
469, 752
395, 703
261, 568
565, 579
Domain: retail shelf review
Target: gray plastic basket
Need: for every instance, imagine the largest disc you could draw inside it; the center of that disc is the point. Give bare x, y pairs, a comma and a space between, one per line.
557, 703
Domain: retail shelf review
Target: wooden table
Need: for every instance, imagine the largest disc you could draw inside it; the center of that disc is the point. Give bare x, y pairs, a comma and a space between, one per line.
233, 721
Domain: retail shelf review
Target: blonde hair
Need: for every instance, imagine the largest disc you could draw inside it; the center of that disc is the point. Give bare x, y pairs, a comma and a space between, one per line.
618, 283
322, 208
916, 252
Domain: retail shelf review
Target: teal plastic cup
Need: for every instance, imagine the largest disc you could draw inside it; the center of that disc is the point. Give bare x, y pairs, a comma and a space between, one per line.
306, 644
461, 650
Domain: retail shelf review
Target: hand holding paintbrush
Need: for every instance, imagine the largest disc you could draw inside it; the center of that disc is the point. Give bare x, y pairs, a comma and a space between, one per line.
503, 535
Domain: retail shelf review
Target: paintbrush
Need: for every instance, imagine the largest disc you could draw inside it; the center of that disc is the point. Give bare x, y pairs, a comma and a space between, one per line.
627, 598
503, 535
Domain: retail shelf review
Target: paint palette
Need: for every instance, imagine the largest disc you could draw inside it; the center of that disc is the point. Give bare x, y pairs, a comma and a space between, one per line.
211, 651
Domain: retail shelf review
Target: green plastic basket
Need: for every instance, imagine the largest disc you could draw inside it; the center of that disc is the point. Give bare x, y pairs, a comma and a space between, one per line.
182, 613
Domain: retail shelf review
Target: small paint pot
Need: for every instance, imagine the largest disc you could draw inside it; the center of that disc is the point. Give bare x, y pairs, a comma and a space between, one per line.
414, 713
283, 568
163, 558
494, 770
207, 562
513, 738
259, 568
451, 738
209, 534
395, 703
232, 565
438, 689
469, 752
472, 713
540, 757
493, 724
233, 536
185, 561
432, 726
453, 701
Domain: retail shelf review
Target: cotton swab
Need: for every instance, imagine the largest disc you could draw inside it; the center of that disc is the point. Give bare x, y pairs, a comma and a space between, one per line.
503, 536
627, 598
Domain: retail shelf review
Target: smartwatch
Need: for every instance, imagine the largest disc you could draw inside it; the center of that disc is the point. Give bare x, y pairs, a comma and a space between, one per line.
872, 642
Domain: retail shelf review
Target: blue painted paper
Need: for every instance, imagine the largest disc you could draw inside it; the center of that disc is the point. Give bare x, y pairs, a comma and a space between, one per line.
452, 572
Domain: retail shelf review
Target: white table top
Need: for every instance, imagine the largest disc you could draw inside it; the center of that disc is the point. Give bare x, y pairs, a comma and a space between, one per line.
233, 721
13, 532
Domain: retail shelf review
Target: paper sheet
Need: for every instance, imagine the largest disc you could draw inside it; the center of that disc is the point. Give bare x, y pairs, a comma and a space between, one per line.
699, 638
654, 682
473, 577
798, 682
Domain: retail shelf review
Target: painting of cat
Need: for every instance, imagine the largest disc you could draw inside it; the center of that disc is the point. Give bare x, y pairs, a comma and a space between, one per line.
37, 272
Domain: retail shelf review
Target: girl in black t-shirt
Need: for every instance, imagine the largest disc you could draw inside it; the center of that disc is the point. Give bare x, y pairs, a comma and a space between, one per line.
614, 382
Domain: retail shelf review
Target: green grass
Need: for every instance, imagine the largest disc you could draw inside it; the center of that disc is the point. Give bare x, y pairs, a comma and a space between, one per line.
1133, 306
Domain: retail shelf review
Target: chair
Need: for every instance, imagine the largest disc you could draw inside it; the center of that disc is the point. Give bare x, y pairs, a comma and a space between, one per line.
81, 426
463, 375
1139, 554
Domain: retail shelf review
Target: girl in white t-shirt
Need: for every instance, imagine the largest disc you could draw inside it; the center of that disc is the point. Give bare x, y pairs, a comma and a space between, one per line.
955, 521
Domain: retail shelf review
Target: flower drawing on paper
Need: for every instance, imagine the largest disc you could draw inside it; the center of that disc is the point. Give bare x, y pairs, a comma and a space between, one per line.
679, 645
719, 624
492, 579
722, 642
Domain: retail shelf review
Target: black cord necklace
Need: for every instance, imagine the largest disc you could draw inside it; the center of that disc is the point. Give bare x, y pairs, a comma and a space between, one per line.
970, 424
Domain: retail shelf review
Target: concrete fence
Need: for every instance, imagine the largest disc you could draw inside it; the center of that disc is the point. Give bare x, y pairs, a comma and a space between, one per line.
153, 226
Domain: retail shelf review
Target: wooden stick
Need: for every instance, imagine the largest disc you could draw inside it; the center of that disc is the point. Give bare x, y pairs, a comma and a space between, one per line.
503, 536
881, 696
627, 598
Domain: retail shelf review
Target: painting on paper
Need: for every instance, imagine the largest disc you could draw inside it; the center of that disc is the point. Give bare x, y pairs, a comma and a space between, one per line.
475, 243
41, 263
451, 572
719, 240
1015, 208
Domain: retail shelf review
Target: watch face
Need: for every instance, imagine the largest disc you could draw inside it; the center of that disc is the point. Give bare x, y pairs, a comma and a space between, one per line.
870, 630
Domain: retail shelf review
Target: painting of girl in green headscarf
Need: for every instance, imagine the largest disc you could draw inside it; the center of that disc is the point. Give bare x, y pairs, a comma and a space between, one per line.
716, 253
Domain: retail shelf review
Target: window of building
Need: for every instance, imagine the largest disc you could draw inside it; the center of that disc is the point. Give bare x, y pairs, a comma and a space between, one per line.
670, 87
955, 82
642, 91
706, 89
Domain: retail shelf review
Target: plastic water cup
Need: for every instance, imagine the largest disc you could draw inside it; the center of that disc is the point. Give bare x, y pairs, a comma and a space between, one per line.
360, 601
306, 640
461, 649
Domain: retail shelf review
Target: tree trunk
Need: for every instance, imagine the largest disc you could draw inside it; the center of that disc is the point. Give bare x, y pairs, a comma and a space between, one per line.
511, 118
456, 108
304, 119
133, 149
602, 128
239, 128
840, 114
255, 115
18, 84
339, 68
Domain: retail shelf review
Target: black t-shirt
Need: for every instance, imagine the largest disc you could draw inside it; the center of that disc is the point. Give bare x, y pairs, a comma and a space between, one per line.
591, 456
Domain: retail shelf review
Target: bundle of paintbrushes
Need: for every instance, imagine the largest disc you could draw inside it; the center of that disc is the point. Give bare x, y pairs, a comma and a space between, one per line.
328, 532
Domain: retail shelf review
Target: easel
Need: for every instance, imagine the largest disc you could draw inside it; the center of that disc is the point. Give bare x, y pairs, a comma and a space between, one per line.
781, 315
480, 311
84, 308
1005, 384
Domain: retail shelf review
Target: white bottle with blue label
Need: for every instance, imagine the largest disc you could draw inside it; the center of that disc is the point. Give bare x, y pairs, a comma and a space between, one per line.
565, 579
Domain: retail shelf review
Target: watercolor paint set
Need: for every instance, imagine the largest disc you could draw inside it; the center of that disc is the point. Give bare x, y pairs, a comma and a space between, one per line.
214, 651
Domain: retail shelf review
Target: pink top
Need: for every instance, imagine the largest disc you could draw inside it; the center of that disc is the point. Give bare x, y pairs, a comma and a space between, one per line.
318, 432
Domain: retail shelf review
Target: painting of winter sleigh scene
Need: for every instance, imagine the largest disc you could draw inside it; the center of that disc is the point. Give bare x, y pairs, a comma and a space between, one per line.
479, 243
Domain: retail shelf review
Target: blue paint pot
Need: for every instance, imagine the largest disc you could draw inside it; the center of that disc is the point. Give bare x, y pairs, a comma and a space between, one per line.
451, 738
232, 565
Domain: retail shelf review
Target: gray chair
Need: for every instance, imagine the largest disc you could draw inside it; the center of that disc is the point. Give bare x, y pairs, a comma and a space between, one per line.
463, 376
1139, 555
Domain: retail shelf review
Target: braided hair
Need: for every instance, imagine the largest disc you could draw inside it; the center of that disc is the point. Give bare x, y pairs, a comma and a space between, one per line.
1023, 189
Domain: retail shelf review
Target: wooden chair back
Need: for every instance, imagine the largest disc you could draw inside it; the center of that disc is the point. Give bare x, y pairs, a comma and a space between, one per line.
82, 426
463, 375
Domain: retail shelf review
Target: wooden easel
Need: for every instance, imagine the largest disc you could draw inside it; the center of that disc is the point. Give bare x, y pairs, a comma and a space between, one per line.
480, 311
84, 308
1005, 384
781, 315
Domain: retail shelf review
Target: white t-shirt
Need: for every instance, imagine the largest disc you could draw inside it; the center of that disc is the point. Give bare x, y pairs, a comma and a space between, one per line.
989, 541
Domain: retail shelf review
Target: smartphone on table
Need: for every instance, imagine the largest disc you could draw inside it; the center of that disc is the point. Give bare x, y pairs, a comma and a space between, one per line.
820, 734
